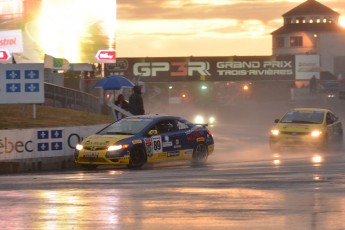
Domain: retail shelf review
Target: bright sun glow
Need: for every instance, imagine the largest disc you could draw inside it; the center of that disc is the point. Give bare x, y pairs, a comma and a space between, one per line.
63, 29
342, 21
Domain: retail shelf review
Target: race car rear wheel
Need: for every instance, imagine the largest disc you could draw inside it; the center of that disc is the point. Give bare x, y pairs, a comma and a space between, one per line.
200, 154
137, 157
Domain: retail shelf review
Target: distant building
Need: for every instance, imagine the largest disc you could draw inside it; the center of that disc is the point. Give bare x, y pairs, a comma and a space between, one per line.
312, 28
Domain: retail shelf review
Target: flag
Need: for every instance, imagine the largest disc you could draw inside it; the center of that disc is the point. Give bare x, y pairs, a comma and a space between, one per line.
51, 62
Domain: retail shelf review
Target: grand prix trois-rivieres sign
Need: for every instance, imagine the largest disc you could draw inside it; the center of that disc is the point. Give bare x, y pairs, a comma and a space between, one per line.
234, 68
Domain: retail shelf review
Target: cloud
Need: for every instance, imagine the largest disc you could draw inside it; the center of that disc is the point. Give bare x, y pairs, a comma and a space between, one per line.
201, 27
196, 9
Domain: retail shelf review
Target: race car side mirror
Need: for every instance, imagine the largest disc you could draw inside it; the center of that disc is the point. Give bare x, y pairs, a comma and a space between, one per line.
152, 132
276, 120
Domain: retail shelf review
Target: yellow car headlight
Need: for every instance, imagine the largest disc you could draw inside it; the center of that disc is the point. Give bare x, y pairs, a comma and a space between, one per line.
79, 147
316, 133
275, 132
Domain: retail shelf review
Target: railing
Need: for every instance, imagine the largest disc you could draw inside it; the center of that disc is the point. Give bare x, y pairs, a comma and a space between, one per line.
63, 97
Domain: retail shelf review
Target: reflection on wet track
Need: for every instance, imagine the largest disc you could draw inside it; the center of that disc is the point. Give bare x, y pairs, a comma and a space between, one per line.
220, 195
242, 186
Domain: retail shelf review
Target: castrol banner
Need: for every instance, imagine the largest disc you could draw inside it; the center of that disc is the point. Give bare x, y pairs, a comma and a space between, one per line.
11, 40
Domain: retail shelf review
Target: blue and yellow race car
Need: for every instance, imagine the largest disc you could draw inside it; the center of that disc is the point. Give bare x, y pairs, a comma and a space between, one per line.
307, 128
136, 140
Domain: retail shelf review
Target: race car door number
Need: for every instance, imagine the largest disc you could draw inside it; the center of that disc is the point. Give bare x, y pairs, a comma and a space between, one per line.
157, 144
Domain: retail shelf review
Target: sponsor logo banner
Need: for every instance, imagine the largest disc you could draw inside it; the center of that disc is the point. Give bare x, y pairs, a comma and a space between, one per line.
205, 68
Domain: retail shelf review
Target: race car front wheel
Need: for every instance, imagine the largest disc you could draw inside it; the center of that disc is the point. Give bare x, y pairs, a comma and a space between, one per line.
200, 153
137, 158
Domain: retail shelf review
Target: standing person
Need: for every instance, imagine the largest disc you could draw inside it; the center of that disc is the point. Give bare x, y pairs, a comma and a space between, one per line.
313, 85
121, 102
136, 104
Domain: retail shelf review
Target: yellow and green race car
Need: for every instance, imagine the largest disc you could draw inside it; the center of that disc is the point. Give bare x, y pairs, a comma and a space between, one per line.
136, 140
307, 127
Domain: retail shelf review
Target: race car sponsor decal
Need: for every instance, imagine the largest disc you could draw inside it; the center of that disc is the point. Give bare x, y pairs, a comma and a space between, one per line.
148, 141
188, 152
177, 142
106, 143
177, 146
167, 143
136, 142
173, 154
139, 119
148, 146
157, 146
166, 138
200, 139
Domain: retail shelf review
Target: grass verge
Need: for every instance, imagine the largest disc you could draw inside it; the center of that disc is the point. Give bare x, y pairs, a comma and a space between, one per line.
21, 117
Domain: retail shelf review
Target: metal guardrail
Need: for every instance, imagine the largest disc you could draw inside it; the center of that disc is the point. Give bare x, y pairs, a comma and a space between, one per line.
58, 96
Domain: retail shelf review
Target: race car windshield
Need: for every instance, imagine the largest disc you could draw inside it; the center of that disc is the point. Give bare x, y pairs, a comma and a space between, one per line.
303, 117
126, 127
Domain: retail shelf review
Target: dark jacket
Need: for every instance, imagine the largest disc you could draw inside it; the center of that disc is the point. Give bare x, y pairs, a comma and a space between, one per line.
136, 104
124, 105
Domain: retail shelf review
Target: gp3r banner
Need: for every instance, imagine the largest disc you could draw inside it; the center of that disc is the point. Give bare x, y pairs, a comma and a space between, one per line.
232, 68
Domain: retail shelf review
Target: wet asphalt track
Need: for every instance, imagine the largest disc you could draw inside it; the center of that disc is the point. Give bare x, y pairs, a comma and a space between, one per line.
243, 186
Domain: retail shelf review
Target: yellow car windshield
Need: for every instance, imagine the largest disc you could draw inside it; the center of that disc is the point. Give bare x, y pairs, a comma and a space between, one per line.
307, 117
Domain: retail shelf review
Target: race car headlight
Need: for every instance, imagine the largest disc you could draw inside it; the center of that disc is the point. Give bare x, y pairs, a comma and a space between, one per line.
116, 147
113, 151
211, 120
275, 132
316, 133
79, 147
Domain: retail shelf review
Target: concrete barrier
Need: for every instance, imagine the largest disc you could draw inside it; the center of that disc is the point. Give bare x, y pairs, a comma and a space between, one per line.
42, 149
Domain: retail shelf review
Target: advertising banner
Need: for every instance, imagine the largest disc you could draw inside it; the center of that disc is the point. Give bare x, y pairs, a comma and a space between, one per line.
307, 66
11, 40
43, 142
233, 68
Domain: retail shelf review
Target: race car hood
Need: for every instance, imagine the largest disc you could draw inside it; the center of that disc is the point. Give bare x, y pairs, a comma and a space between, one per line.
295, 127
104, 140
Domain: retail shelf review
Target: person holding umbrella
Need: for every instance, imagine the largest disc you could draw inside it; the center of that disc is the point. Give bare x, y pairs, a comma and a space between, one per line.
136, 103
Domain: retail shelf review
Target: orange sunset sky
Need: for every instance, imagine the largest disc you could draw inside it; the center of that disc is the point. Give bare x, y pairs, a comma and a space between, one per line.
173, 28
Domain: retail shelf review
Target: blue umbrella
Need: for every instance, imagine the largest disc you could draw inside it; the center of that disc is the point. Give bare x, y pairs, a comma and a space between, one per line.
113, 82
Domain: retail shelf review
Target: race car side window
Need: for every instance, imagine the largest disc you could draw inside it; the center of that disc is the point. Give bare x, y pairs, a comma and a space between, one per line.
166, 126
329, 119
333, 117
182, 126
